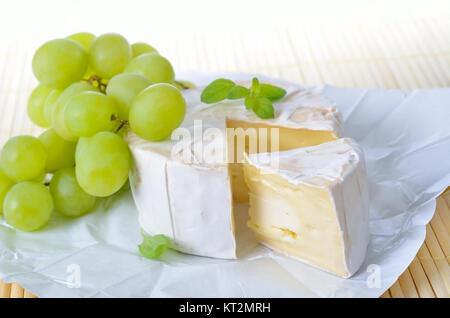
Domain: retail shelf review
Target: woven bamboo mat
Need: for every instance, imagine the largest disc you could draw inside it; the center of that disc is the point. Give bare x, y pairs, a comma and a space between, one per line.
406, 54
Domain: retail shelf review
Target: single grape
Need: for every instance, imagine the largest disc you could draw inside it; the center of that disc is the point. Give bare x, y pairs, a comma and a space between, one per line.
157, 111
49, 104
28, 206
89, 113
182, 84
153, 66
123, 88
35, 106
23, 158
109, 54
102, 163
40, 178
68, 197
141, 48
60, 152
58, 121
5, 185
84, 38
59, 63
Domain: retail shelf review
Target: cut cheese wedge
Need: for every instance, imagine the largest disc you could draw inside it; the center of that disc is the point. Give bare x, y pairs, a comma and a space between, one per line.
287, 139
185, 187
312, 204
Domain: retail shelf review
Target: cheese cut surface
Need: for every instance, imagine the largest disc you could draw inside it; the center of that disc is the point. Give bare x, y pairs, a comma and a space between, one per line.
289, 138
313, 206
189, 197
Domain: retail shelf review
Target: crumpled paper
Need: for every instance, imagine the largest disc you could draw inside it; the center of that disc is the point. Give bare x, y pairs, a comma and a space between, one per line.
406, 139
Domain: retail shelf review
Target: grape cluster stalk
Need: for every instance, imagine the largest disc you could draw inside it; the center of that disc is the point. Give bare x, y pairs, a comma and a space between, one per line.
93, 90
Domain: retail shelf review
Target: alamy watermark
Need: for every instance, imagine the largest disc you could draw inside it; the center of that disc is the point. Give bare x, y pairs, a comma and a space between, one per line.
74, 278
374, 278
201, 144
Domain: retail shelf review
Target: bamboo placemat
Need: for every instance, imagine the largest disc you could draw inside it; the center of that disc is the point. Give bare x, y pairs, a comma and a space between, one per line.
405, 54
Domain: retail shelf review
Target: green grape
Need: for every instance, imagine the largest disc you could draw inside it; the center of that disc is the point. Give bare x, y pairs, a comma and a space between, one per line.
182, 84
5, 185
84, 38
109, 54
49, 104
68, 196
89, 113
102, 163
123, 88
23, 158
157, 111
28, 206
58, 121
60, 152
40, 178
153, 66
59, 63
35, 106
141, 48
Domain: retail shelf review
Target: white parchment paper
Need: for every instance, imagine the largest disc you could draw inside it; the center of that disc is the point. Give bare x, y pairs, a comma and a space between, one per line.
406, 139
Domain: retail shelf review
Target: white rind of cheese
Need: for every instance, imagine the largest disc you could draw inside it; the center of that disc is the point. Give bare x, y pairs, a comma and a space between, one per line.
338, 166
190, 201
190, 204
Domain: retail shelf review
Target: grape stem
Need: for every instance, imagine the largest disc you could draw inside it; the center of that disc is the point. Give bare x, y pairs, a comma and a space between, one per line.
97, 79
122, 122
182, 85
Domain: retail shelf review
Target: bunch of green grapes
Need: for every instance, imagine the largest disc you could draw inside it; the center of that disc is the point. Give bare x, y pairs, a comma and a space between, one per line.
92, 90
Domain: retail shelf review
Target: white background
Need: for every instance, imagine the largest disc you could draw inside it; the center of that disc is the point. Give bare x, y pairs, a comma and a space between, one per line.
162, 21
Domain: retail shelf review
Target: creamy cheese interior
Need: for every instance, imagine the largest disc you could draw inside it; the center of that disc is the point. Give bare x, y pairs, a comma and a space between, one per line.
288, 138
313, 204
297, 220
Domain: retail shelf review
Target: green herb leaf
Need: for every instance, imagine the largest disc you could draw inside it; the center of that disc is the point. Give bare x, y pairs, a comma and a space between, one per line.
264, 108
258, 97
273, 93
238, 92
250, 102
216, 91
255, 87
153, 246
